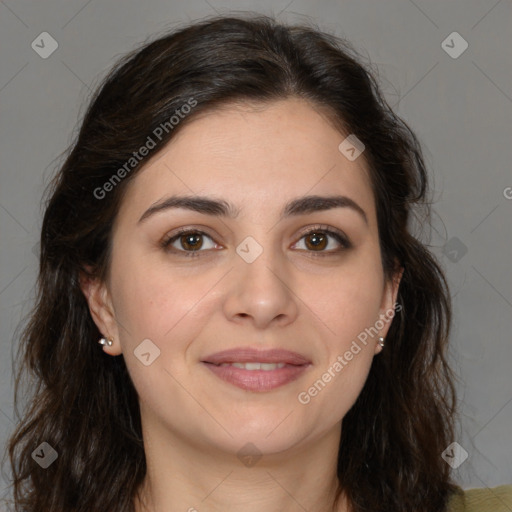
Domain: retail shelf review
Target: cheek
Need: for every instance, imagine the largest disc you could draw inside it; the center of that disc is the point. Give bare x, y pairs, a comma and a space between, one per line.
350, 309
349, 300
335, 387
346, 386
164, 309
168, 307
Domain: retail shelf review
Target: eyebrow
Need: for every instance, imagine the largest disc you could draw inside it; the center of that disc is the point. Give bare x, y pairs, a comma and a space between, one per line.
221, 208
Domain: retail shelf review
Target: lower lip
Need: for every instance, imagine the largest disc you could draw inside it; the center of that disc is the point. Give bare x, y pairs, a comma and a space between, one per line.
258, 380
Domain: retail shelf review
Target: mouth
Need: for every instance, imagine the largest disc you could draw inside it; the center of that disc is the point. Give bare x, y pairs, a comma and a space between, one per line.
257, 370
255, 366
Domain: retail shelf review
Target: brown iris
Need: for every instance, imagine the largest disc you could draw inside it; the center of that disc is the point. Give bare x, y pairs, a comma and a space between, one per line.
318, 241
192, 241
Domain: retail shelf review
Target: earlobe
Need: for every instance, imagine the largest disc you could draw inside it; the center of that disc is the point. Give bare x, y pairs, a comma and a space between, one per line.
379, 347
101, 310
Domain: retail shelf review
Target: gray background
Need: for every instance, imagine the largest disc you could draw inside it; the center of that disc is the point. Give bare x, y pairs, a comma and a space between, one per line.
460, 108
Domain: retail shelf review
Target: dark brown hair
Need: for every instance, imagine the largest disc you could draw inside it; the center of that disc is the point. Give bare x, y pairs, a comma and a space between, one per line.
84, 404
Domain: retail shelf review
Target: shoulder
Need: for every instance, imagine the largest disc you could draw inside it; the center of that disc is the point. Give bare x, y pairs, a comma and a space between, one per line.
485, 499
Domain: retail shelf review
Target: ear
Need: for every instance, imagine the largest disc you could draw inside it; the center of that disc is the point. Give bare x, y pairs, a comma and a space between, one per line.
389, 296
102, 311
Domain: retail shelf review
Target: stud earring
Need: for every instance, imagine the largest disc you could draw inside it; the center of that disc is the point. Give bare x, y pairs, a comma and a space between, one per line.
106, 341
381, 341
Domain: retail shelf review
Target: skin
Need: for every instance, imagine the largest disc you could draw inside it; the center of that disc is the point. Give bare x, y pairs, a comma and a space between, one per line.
193, 422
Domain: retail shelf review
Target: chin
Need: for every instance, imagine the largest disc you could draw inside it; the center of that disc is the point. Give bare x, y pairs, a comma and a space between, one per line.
269, 436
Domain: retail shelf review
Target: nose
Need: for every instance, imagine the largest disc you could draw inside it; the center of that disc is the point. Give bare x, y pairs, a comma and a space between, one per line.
261, 292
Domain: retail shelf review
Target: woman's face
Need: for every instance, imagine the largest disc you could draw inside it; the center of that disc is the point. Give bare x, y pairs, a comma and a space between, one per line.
250, 279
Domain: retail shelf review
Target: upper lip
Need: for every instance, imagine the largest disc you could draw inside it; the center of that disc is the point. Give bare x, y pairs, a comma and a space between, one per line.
250, 355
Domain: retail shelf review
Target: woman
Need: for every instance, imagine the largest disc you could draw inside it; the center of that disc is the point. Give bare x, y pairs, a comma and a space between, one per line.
231, 226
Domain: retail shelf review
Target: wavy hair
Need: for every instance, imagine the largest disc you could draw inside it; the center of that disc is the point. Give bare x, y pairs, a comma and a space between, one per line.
81, 402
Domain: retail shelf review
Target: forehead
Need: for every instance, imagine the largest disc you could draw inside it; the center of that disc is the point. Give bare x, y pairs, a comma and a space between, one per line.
253, 154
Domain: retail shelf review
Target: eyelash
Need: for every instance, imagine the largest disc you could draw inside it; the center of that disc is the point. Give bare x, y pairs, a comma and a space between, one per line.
338, 236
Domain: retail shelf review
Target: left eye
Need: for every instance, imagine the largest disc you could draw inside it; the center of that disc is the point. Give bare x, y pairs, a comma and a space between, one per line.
318, 240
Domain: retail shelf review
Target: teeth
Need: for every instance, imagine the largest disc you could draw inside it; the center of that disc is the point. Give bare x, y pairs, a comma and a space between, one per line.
256, 366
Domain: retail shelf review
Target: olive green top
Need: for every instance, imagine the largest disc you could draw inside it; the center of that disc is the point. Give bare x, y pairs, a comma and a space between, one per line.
495, 499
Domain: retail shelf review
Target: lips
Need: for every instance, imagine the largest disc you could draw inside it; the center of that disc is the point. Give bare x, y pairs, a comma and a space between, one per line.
257, 370
249, 355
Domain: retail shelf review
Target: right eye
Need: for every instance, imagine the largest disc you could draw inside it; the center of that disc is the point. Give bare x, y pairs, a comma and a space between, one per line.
190, 240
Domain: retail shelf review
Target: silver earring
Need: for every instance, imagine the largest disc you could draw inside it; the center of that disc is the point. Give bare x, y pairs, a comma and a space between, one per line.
381, 341
106, 341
